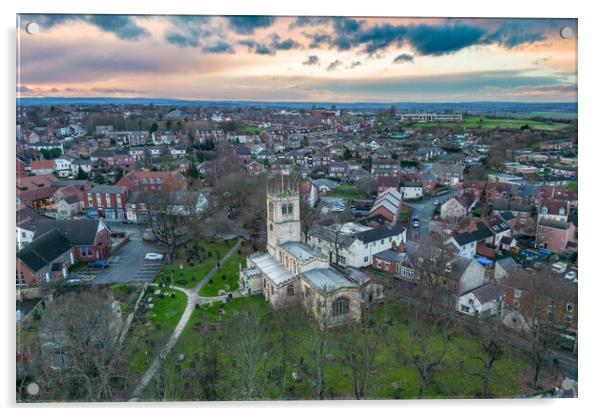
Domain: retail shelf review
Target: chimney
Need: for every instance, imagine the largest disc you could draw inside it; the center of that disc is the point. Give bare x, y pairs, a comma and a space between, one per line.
401, 248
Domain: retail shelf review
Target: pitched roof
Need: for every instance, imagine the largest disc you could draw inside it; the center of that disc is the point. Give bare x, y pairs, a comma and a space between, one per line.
44, 249
78, 232
486, 292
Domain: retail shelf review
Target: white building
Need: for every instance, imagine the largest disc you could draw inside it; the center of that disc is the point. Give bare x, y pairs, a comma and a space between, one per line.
353, 244
429, 117
484, 300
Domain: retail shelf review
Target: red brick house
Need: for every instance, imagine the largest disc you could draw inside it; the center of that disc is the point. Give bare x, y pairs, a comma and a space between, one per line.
254, 168
555, 235
106, 201
46, 258
552, 300
90, 239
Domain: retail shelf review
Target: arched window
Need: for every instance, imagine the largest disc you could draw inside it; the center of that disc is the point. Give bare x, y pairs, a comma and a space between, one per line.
290, 290
290, 208
283, 208
340, 306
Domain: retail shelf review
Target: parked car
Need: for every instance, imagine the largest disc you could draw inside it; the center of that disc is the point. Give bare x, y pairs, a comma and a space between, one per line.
559, 267
153, 256
118, 234
99, 264
572, 275
416, 223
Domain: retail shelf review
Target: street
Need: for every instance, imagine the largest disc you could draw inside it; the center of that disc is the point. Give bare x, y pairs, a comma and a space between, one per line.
424, 210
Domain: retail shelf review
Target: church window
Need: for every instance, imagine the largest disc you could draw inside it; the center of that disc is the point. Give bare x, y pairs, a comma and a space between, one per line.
290, 290
340, 306
290, 208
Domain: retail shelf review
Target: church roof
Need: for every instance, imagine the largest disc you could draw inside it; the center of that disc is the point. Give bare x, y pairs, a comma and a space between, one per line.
326, 279
271, 268
299, 250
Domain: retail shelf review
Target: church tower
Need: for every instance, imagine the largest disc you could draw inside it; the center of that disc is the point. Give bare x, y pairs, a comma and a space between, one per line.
284, 222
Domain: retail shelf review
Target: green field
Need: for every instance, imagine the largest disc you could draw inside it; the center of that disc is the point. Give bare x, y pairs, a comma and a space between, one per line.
474, 122
393, 377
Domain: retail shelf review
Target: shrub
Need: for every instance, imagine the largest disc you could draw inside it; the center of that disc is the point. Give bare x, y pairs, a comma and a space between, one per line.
173, 295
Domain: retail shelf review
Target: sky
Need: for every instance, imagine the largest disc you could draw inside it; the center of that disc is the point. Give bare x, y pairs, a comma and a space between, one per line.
270, 58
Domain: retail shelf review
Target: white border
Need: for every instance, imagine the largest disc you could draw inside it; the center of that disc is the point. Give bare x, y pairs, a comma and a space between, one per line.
590, 158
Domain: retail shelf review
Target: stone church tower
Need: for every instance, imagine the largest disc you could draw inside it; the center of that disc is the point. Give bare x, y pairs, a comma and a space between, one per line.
284, 222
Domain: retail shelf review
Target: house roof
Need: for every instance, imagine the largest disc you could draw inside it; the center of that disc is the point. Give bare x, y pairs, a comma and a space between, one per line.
44, 249
508, 264
108, 189
78, 232
390, 255
379, 233
481, 233
486, 292
559, 225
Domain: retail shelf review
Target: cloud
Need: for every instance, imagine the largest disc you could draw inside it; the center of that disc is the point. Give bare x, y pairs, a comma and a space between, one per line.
312, 60
258, 48
181, 39
512, 33
404, 57
334, 65
354, 64
115, 90
24, 88
218, 47
283, 45
302, 21
317, 39
443, 39
122, 26
246, 25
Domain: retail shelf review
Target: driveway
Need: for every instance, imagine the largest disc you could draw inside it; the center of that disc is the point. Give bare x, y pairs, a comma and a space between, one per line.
127, 265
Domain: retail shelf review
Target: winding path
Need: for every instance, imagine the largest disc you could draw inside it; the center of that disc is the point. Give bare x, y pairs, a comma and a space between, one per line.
193, 298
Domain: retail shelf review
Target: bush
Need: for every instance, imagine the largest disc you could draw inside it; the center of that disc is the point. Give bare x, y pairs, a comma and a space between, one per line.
173, 295
223, 277
211, 281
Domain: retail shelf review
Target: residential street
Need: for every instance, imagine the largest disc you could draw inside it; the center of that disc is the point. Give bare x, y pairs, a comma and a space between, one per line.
424, 210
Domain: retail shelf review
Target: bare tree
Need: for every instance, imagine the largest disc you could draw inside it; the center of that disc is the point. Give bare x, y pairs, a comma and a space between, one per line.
427, 350
431, 261
366, 186
172, 220
250, 360
78, 341
358, 347
319, 345
490, 352
287, 319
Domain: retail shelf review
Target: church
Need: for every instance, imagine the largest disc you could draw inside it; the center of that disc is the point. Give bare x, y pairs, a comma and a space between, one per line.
291, 270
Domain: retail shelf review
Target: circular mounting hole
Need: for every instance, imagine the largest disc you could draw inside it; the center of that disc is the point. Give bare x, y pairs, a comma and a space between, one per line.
566, 32
32, 28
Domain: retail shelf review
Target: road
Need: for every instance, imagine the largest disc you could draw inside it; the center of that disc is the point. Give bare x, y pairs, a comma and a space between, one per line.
424, 210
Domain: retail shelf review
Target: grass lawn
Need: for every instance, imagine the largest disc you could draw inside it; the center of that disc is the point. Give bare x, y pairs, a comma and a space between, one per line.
345, 191
252, 129
150, 331
393, 377
227, 276
195, 260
